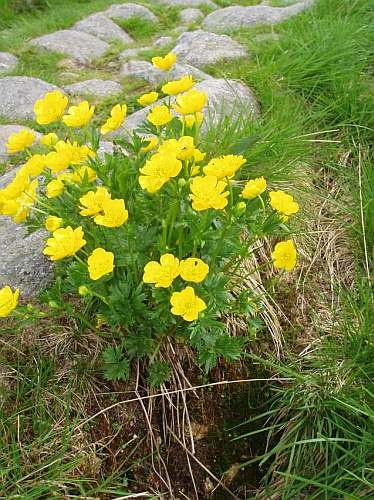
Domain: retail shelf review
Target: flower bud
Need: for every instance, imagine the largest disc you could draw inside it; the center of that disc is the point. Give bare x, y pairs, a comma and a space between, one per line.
83, 291
240, 207
53, 304
182, 182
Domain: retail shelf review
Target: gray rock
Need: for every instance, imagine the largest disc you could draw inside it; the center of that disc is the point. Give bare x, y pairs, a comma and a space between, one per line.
191, 15
95, 88
77, 44
163, 41
22, 262
133, 52
19, 93
200, 48
237, 16
129, 10
101, 26
7, 62
146, 71
5, 132
189, 3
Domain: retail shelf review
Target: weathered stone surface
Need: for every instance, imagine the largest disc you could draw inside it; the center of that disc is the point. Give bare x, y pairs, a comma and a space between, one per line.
104, 28
5, 132
22, 262
128, 10
133, 52
226, 98
19, 93
189, 3
237, 16
96, 88
200, 48
191, 15
163, 41
77, 44
7, 62
146, 71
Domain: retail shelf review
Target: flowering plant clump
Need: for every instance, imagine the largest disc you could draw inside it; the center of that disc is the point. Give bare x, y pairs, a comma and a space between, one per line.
151, 238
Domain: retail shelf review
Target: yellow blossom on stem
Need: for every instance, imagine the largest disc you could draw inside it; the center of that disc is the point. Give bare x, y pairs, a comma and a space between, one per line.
148, 99
208, 192
93, 201
165, 63
20, 140
158, 170
187, 304
190, 120
152, 143
52, 223
100, 263
283, 203
162, 273
117, 117
160, 115
254, 188
19, 207
191, 102
114, 214
8, 301
54, 188
65, 242
284, 255
49, 139
177, 86
193, 269
50, 108
79, 116
34, 165
224, 166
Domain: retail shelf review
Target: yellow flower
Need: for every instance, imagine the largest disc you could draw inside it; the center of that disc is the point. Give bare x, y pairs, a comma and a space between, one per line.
187, 304
183, 148
100, 263
283, 203
20, 141
152, 143
16, 187
49, 139
79, 116
52, 223
284, 255
34, 165
191, 102
254, 188
148, 99
208, 192
65, 242
165, 63
177, 86
158, 170
8, 301
50, 108
76, 153
224, 166
54, 188
84, 172
162, 273
93, 201
190, 120
19, 207
160, 115
117, 116
115, 214
193, 269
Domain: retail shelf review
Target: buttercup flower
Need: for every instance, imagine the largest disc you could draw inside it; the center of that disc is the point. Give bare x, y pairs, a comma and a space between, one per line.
84, 173
158, 170
283, 203
224, 166
208, 192
50, 108
190, 120
254, 188
79, 116
65, 242
117, 116
100, 263
115, 214
165, 63
191, 102
284, 255
162, 273
93, 201
52, 223
177, 86
54, 188
147, 99
16, 187
49, 139
34, 165
8, 301
19, 207
160, 115
193, 269
152, 143
187, 304
20, 140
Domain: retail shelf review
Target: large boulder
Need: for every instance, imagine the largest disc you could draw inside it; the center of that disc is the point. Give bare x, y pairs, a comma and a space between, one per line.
189, 3
5, 132
18, 95
95, 88
237, 16
129, 10
79, 45
104, 28
7, 62
190, 15
146, 71
200, 48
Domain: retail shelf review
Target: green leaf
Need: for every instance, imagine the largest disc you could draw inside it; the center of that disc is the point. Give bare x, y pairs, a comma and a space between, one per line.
159, 373
242, 145
116, 366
